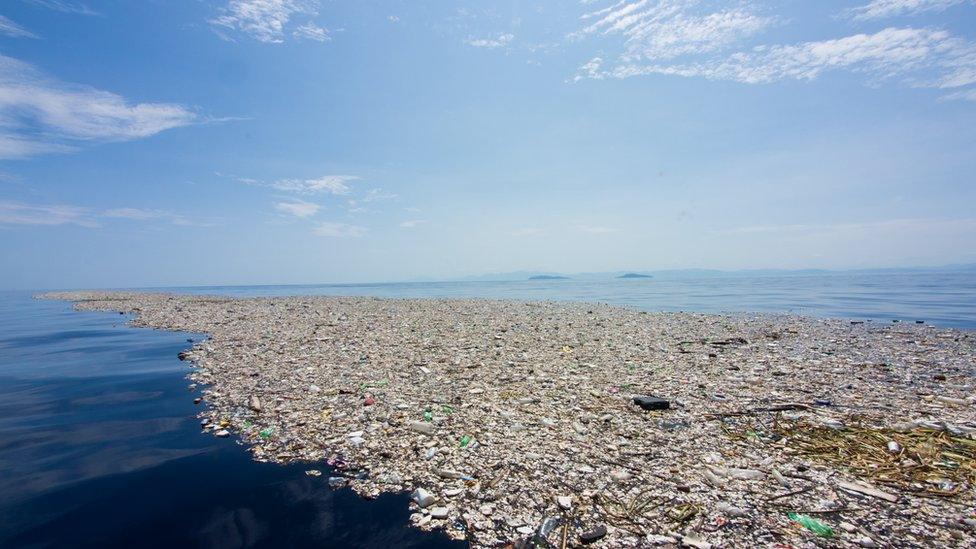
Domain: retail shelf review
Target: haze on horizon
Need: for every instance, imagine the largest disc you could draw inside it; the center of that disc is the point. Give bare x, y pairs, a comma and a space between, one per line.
280, 141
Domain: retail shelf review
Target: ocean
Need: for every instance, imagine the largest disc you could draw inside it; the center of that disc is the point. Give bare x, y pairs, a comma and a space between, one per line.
101, 446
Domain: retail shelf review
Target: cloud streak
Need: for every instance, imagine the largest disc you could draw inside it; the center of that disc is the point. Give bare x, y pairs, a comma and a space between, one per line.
327, 184
14, 30
500, 41
880, 9
19, 213
64, 6
671, 28
921, 57
39, 114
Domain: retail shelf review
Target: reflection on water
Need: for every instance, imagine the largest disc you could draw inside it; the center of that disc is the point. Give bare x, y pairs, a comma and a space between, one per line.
101, 448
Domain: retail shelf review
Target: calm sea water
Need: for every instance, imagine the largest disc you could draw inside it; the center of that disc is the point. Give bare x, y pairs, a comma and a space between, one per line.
100, 447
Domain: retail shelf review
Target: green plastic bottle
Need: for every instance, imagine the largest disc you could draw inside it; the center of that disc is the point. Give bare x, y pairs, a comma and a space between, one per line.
812, 524
465, 440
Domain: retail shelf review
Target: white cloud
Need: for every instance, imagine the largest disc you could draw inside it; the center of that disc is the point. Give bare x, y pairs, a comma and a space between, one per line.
18, 213
924, 57
142, 214
312, 32
334, 229
410, 224
39, 114
10, 28
491, 43
375, 195
331, 184
298, 208
65, 6
267, 20
968, 95
671, 28
879, 9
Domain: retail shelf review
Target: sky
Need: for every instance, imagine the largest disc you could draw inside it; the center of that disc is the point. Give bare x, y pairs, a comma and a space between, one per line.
208, 142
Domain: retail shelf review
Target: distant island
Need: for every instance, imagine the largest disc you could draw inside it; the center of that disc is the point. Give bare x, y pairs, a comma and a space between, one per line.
634, 275
548, 277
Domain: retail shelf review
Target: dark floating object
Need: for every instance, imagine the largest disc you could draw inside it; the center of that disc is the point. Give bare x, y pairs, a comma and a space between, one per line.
593, 535
652, 403
182, 355
919, 322
189, 340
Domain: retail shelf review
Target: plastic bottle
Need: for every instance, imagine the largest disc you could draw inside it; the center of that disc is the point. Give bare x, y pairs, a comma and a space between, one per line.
812, 524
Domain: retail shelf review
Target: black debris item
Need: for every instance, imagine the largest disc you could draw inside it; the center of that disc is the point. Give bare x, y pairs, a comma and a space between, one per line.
593, 535
822, 402
182, 355
919, 322
652, 403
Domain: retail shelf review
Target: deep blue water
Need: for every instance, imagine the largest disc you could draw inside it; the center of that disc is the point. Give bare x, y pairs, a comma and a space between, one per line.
100, 446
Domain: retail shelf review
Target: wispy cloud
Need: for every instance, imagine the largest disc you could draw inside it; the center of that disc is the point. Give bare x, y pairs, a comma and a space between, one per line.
331, 184
491, 43
10, 28
18, 213
921, 57
312, 32
671, 28
143, 214
377, 194
268, 20
879, 9
968, 95
338, 230
65, 6
412, 223
298, 208
685, 38
39, 114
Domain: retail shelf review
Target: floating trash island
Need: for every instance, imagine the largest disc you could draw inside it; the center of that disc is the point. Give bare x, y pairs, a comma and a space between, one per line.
561, 424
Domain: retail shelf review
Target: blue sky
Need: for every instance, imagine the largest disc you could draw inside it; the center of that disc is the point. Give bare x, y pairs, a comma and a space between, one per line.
177, 142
